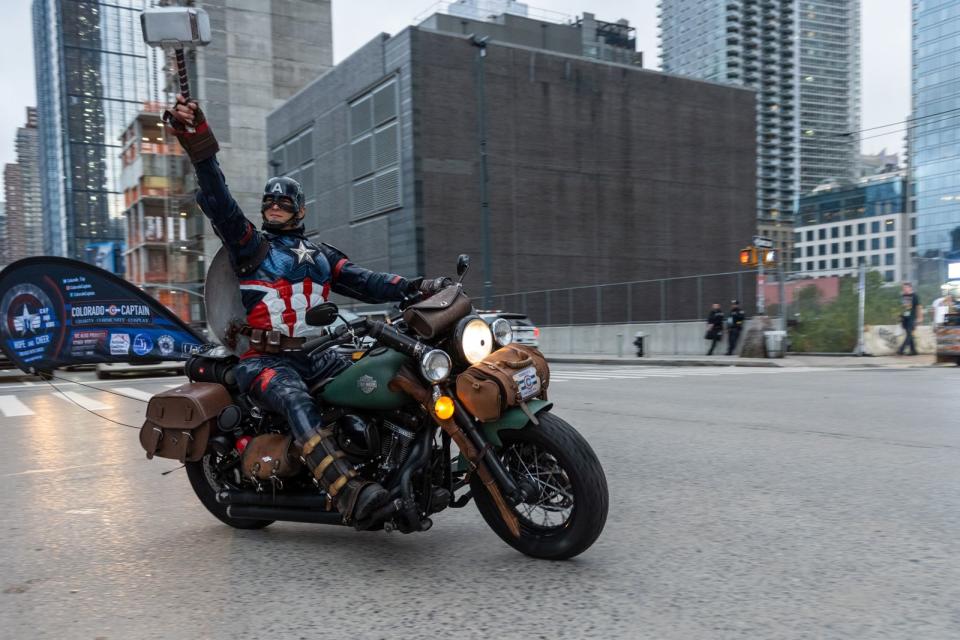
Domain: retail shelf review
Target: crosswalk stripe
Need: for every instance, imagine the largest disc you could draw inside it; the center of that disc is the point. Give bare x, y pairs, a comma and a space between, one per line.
82, 400
11, 407
133, 393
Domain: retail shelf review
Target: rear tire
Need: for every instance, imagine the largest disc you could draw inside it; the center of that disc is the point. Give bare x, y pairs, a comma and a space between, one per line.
556, 443
205, 486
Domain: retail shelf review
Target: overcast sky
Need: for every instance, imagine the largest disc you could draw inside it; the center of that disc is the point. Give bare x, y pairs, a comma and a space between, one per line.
885, 53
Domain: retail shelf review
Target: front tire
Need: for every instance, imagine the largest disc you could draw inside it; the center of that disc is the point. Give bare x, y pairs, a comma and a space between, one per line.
205, 485
571, 508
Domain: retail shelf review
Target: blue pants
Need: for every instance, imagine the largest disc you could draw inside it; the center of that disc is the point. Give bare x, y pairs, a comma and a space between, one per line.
281, 383
908, 339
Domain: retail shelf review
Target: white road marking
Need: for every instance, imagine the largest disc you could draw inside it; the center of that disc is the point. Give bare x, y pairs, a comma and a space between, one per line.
82, 400
133, 393
11, 407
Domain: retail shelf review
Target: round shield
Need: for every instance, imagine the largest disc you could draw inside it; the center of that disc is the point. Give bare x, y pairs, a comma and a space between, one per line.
221, 297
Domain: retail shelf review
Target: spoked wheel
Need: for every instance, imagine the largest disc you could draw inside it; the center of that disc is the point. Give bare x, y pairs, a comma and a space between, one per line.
206, 482
569, 507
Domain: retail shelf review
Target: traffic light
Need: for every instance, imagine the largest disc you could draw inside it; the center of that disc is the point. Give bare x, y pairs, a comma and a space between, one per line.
769, 257
748, 257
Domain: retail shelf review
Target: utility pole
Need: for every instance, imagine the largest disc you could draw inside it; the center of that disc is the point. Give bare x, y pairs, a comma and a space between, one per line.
481, 44
862, 290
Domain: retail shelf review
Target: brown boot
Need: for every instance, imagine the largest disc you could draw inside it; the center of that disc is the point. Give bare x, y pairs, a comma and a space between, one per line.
355, 498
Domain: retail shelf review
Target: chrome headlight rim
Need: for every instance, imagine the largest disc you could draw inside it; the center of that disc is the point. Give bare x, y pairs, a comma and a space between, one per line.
426, 365
459, 336
502, 331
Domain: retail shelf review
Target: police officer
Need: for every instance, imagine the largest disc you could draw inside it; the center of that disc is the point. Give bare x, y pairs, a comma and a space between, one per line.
735, 321
714, 327
282, 274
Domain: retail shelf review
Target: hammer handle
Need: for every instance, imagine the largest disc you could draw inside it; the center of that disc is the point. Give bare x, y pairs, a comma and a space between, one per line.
182, 73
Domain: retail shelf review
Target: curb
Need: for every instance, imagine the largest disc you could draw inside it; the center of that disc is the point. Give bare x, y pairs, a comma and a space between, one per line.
663, 363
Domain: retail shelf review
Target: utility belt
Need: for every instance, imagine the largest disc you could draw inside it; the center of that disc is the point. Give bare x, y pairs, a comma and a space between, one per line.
263, 341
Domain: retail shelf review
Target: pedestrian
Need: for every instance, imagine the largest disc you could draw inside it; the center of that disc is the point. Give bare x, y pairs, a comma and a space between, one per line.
911, 314
943, 305
734, 325
714, 327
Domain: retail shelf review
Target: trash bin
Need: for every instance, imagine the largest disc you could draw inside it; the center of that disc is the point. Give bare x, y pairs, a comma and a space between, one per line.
774, 342
638, 343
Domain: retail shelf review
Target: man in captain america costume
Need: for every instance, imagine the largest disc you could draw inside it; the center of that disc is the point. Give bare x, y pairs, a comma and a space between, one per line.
282, 274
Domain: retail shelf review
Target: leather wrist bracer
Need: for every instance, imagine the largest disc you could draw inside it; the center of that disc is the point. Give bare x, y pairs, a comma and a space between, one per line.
200, 143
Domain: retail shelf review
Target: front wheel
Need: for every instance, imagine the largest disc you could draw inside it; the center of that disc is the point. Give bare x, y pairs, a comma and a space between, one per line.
570, 508
206, 483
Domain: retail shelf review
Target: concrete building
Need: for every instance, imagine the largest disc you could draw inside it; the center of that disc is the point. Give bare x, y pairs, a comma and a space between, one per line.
934, 161
261, 54
21, 181
840, 227
880, 162
803, 60
157, 257
93, 74
597, 172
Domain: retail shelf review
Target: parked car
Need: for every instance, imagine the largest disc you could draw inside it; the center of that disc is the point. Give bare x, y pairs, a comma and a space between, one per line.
524, 331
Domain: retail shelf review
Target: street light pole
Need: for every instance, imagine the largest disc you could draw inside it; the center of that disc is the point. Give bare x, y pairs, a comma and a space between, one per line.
481, 44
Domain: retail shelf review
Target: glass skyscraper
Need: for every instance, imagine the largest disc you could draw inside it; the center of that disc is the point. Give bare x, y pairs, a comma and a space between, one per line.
94, 74
802, 57
935, 127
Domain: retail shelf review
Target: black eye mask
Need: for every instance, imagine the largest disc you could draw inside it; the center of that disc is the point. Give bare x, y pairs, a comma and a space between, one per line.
284, 202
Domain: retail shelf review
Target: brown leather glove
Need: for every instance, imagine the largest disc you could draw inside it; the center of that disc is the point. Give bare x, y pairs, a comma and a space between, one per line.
191, 128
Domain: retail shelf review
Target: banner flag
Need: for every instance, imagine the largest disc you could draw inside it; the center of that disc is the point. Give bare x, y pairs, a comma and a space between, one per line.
58, 312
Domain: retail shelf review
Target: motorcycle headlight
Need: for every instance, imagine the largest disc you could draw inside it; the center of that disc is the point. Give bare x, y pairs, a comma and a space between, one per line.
502, 331
435, 365
474, 339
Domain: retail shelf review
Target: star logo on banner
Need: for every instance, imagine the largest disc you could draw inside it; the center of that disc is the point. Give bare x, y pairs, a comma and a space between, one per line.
303, 253
26, 322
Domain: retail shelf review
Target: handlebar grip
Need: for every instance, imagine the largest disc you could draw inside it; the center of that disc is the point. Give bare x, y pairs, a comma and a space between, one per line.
394, 339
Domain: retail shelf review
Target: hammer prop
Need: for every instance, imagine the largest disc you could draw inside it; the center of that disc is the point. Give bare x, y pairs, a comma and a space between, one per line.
176, 28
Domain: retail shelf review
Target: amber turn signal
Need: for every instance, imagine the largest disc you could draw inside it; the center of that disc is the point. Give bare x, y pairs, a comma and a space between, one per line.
443, 407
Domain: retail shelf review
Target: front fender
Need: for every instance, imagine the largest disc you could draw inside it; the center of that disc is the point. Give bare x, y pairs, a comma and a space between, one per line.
512, 419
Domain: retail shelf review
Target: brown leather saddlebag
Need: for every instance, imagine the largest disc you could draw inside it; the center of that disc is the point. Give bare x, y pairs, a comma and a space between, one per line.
435, 314
179, 421
506, 378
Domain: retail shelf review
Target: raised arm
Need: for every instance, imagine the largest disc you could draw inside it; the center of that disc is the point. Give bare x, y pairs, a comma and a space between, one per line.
362, 284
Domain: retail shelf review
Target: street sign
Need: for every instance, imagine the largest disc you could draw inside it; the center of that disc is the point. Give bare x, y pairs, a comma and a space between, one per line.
762, 243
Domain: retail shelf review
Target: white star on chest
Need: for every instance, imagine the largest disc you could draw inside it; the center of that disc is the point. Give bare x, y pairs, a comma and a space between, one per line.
303, 253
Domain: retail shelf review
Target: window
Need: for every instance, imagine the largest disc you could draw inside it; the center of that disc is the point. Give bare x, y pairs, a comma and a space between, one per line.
875, 260
888, 276
888, 259
875, 226
888, 242
375, 151
913, 224
834, 263
809, 251
861, 260
822, 250
847, 246
861, 245
797, 237
913, 241
809, 236
809, 266
835, 232
848, 262
823, 264
874, 244
823, 234
294, 159
890, 225
847, 230
835, 248
861, 228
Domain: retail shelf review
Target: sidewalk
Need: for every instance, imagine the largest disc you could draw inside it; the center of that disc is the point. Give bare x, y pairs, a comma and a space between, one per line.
734, 361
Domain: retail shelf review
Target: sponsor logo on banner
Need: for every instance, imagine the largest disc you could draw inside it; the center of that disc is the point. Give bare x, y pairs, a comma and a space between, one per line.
142, 344
119, 344
166, 344
188, 348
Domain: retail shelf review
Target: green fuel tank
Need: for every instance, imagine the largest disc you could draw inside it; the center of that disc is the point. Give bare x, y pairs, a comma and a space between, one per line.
364, 384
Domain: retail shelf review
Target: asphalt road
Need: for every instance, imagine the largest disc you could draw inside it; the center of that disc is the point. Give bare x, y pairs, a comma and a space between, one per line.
745, 503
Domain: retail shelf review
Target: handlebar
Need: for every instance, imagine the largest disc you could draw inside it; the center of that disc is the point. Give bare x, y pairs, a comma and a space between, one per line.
380, 331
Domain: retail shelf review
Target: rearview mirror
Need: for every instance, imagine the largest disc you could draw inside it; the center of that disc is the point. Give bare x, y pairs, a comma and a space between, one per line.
322, 314
463, 263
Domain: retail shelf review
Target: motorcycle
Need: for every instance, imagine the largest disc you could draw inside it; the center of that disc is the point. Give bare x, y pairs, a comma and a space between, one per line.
407, 415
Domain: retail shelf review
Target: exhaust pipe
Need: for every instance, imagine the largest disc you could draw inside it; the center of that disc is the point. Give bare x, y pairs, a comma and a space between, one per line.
315, 501
251, 512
